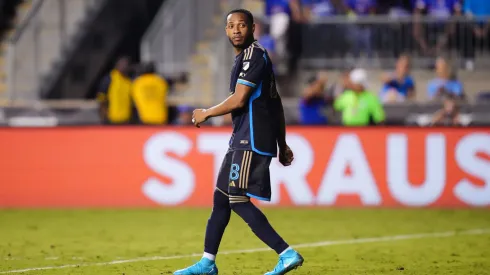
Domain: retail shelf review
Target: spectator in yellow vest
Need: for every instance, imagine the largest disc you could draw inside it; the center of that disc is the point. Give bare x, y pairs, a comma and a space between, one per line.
149, 95
114, 94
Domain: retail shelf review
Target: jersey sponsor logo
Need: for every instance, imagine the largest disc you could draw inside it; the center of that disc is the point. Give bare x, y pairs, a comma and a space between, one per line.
244, 141
232, 184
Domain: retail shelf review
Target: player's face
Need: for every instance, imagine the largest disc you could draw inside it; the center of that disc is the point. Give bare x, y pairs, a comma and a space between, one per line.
238, 31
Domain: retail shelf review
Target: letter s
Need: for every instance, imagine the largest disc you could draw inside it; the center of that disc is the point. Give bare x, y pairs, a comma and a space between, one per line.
155, 156
467, 160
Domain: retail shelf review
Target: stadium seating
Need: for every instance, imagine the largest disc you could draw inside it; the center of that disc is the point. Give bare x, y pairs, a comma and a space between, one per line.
47, 29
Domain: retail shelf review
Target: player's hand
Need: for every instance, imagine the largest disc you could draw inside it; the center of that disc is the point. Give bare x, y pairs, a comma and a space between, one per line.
286, 156
199, 116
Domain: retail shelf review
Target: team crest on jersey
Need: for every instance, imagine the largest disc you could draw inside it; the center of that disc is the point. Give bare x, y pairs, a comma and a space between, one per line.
246, 65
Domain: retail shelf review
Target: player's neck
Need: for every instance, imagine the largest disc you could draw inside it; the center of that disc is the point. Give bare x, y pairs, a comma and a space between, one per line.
239, 50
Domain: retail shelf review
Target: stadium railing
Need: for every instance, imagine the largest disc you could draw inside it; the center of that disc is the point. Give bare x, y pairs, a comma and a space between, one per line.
39, 41
330, 41
328, 44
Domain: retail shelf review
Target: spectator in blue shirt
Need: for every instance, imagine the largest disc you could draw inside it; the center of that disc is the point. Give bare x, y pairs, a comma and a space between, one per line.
399, 85
362, 7
445, 82
442, 9
318, 9
479, 30
442, 30
361, 35
277, 6
313, 105
477, 8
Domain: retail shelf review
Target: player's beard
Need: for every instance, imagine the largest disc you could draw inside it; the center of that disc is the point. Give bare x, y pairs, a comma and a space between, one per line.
250, 39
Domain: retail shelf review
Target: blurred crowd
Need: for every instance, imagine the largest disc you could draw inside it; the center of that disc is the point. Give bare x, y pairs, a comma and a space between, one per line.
359, 106
308, 28
136, 94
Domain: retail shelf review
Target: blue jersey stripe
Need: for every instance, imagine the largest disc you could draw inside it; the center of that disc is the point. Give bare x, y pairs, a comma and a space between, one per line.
246, 83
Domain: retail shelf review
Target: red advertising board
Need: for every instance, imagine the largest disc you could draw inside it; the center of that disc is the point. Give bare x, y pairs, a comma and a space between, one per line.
167, 167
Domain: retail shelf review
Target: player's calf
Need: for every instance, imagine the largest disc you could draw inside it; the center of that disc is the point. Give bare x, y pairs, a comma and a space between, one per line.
259, 224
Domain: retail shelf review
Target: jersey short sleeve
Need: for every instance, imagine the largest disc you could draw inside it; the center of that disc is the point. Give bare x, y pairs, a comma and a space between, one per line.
254, 66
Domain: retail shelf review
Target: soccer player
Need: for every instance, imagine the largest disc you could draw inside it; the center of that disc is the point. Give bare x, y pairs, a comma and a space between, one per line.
258, 129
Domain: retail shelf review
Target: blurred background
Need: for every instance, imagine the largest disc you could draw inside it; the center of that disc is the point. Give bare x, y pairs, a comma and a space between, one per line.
81, 79
151, 62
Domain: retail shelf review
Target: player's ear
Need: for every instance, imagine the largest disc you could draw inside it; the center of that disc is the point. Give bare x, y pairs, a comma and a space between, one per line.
253, 28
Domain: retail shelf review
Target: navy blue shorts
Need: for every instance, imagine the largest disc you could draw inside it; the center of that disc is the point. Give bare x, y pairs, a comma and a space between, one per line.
245, 173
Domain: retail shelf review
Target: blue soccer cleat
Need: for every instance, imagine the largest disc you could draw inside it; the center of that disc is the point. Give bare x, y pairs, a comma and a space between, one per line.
288, 261
203, 267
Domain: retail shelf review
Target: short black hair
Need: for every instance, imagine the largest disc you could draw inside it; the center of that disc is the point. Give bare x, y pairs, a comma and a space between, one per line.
247, 13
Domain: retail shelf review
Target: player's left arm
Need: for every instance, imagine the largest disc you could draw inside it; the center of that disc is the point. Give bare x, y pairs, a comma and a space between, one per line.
281, 119
253, 68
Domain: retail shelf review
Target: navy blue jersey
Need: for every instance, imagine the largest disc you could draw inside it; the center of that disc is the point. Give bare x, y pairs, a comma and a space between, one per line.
255, 126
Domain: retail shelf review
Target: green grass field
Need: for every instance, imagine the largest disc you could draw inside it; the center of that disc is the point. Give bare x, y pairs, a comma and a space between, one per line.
100, 242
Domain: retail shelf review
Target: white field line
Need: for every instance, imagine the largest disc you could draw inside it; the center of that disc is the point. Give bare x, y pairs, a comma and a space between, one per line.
253, 250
